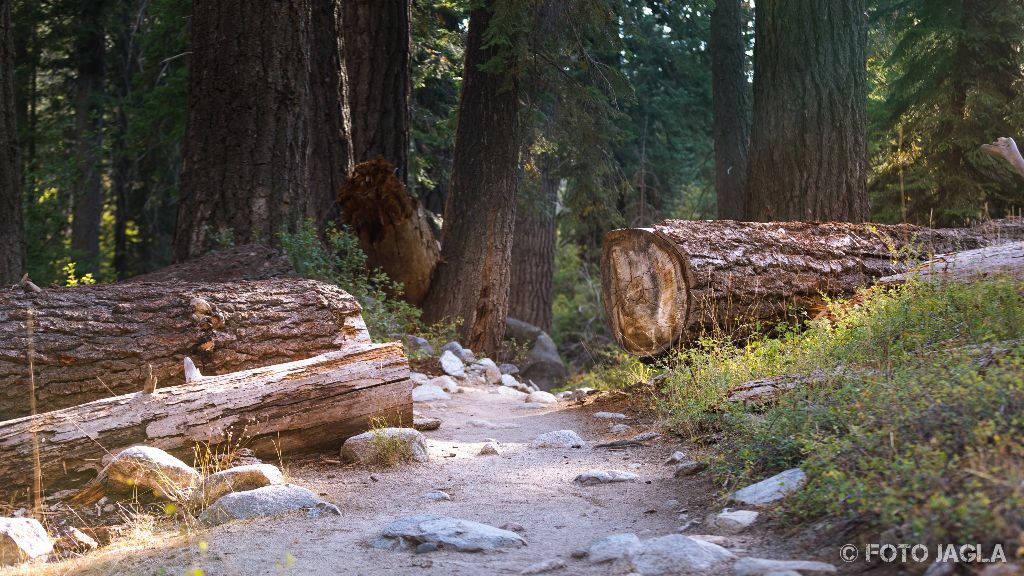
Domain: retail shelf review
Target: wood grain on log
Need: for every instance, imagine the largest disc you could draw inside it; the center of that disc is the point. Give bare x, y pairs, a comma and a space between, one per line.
392, 227
302, 406
679, 280
92, 342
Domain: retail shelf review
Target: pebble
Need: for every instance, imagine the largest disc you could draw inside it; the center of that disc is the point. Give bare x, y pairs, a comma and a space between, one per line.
609, 415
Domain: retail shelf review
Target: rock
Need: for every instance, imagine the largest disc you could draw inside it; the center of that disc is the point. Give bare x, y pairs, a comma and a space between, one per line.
416, 346
445, 383
509, 392
266, 501
732, 521
511, 382
514, 527
771, 490
541, 398
594, 477
148, 469
385, 446
490, 449
645, 436
74, 541
21, 540
425, 423
237, 479
491, 372
492, 425
558, 439
611, 547
689, 468
437, 496
609, 416
676, 458
760, 567
675, 554
542, 567
510, 369
543, 365
429, 393
453, 347
418, 378
454, 533
452, 365
425, 548
466, 355
564, 395
618, 428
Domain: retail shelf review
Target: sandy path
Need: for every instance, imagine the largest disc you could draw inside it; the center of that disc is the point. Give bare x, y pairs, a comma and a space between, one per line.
531, 487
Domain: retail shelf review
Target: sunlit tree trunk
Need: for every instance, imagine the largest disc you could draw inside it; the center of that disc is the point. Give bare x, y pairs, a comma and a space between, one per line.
731, 93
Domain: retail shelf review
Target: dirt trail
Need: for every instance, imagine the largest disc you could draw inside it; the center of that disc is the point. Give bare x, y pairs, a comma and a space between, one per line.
530, 487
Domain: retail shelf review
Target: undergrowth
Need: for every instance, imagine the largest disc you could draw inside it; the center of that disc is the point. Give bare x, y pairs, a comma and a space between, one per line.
915, 420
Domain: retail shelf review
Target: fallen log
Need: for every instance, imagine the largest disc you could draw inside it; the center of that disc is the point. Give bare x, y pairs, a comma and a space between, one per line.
285, 409
393, 229
91, 342
958, 266
671, 284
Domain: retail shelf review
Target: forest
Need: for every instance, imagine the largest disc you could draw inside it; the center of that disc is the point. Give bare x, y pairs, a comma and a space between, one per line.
750, 228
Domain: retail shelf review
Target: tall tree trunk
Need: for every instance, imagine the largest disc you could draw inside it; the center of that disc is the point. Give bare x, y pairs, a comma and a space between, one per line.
265, 134
12, 232
731, 93
88, 207
331, 159
808, 150
472, 280
377, 38
126, 51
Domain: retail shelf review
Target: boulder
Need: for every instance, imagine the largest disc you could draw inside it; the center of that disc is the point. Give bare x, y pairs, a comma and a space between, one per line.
429, 393
452, 365
730, 521
543, 365
611, 547
237, 479
509, 392
418, 378
149, 470
593, 477
454, 533
266, 501
425, 423
675, 554
558, 439
446, 383
763, 567
689, 468
510, 369
489, 370
771, 490
21, 540
540, 397
385, 446
416, 347
511, 382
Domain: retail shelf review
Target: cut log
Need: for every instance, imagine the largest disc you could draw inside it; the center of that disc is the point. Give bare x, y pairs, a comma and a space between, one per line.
285, 409
393, 229
1002, 259
671, 284
91, 342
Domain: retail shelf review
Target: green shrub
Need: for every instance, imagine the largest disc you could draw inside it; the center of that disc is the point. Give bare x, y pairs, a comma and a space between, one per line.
338, 260
919, 424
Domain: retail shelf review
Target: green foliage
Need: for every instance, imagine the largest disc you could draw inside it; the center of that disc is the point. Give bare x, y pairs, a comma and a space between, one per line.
914, 418
945, 79
337, 259
578, 322
71, 279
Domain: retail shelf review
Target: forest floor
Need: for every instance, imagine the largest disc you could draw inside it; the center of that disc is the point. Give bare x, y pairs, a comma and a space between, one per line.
527, 486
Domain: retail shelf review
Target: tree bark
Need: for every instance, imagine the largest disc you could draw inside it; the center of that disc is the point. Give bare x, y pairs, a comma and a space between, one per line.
266, 139
1005, 259
91, 342
808, 146
285, 409
331, 158
472, 280
681, 280
377, 38
392, 227
90, 48
731, 106
12, 232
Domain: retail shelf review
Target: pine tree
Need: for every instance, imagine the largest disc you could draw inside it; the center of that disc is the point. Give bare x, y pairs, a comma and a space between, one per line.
12, 239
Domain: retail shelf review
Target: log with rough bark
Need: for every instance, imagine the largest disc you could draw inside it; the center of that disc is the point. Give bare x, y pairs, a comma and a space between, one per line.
90, 342
302, 406
1005, 259
393, 229
679, 280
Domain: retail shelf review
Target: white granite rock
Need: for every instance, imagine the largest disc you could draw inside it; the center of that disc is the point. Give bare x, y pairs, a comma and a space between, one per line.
730, 521
446, 383
541, 397
609, 415
22, 539
429, 393
266, 501
452, 364
675, 554
237, 479
452, 533
376, 446
611, 547
594, 477
763, 567
771, 490
558, 439
148, 469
